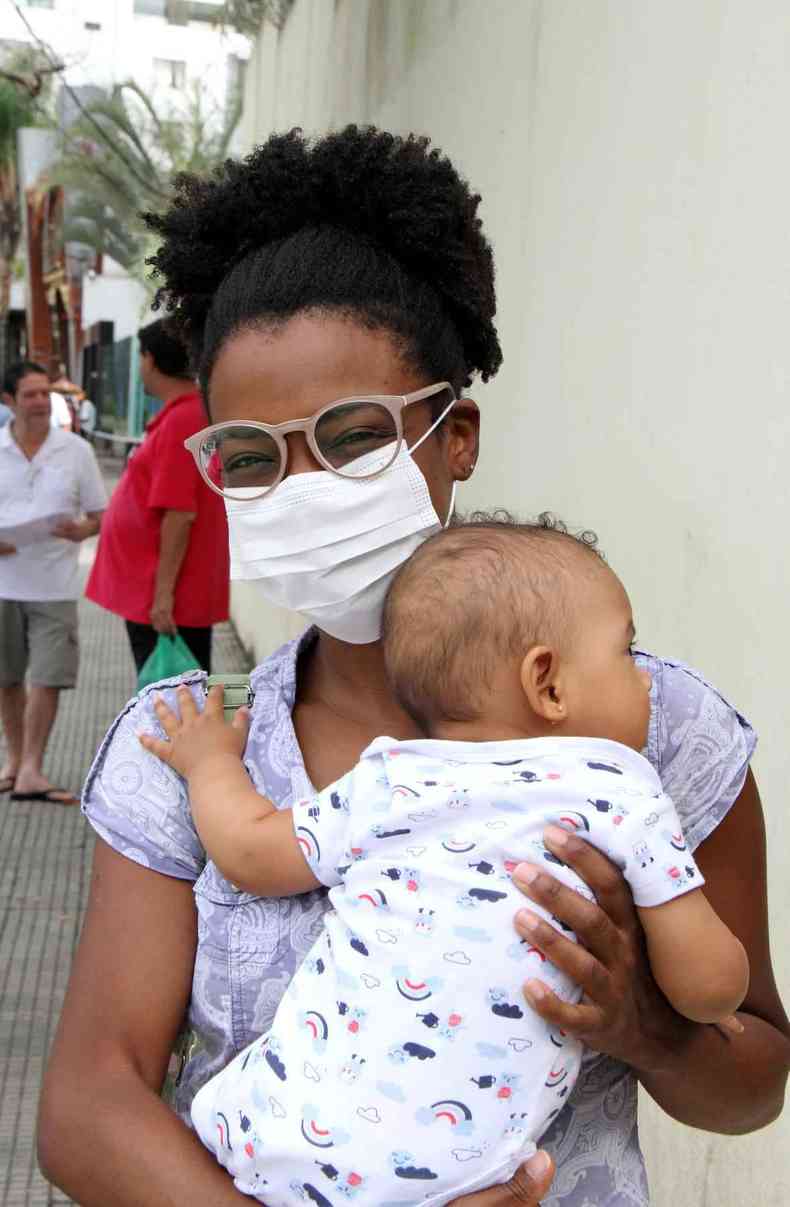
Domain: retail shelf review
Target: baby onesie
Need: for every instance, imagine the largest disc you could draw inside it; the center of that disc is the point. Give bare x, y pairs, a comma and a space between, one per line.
404, 1065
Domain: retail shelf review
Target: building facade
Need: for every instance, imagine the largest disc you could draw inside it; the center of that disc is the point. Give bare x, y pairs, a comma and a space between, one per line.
636, 191
166, 46
174, 52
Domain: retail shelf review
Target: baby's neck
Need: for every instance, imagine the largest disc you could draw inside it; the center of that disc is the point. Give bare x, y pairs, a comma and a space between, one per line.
481, 730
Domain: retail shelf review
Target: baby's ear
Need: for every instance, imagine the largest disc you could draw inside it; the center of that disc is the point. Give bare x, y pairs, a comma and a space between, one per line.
540, 682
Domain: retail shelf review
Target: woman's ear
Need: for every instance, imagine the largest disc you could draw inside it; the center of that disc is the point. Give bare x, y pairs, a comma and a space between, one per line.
541, 682
463, 438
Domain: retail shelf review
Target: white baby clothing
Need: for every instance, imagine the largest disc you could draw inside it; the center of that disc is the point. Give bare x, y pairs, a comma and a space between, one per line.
404, 1065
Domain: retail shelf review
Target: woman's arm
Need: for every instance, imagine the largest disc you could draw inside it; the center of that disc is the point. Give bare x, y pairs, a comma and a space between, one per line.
104, 1135
701, 1077
127, 996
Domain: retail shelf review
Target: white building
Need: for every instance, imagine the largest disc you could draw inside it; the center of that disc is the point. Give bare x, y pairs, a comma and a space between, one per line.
636, 187
164, 45
169, 48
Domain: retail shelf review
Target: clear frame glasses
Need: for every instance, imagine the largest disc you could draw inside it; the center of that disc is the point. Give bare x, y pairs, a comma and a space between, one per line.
244, 459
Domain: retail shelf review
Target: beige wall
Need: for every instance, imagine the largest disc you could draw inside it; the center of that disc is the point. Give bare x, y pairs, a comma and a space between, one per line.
634, 161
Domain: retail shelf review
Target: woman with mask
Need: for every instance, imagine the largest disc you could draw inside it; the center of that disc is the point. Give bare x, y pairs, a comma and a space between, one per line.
338, 298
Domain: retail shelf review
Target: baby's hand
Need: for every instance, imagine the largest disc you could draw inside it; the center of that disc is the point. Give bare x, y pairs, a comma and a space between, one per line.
197, 737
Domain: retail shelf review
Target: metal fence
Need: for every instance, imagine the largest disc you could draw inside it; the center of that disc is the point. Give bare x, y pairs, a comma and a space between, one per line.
122, 405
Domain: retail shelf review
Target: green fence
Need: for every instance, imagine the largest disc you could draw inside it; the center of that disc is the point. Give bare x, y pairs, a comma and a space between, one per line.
123, 406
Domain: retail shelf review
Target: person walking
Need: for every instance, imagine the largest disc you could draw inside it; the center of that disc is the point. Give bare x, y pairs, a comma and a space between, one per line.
51, 476
61, 415
87, 416
163, 561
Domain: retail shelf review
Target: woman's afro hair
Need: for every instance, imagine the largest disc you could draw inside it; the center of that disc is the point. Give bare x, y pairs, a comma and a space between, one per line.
360, 221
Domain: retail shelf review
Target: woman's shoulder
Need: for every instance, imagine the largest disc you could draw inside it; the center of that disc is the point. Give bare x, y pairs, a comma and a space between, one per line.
277, 672
140, 806
133, 800
698, 742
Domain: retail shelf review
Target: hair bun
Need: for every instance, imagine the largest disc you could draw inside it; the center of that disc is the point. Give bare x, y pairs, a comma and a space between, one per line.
399, 193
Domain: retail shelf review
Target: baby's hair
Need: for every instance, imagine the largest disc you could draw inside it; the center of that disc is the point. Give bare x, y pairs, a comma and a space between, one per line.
361, 223
471, 596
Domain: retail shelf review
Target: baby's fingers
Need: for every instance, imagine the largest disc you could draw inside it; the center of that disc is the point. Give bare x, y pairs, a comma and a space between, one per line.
215, 701
186, 702
732, 1024
241, 721
158, 746
166, 717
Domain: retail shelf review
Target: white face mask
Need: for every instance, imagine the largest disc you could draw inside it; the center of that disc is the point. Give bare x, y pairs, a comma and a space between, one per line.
329, 547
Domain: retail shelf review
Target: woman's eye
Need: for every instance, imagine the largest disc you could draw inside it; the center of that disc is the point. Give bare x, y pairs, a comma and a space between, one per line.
355, 436
246, 461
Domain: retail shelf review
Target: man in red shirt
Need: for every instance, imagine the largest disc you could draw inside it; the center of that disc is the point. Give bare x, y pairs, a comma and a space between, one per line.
163, 562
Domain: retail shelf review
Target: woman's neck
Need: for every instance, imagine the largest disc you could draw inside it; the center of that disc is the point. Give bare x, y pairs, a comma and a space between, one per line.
350, 681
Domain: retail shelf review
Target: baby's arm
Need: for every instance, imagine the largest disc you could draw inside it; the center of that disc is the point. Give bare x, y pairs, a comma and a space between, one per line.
252, 843
696, 960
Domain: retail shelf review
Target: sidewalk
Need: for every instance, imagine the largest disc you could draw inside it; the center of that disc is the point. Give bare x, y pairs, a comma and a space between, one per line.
45, 857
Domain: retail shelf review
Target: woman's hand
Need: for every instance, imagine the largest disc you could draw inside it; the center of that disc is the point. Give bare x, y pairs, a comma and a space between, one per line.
622, 1012
527, 1186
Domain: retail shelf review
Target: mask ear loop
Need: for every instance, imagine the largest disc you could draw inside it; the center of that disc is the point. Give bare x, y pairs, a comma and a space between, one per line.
451, 508
425, 436
433, 426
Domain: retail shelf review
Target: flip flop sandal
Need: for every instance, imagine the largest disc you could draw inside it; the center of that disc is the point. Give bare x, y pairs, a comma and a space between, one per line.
51, 796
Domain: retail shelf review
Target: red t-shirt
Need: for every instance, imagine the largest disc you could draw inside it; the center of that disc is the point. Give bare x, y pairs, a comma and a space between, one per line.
162, 476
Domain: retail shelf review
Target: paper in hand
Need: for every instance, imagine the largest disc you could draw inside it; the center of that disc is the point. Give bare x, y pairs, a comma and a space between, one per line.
27, 532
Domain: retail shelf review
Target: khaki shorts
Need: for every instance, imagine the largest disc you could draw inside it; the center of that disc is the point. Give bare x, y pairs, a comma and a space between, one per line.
40, 638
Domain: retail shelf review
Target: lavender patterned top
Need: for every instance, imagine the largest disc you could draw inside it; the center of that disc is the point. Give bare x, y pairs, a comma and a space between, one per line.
249, 947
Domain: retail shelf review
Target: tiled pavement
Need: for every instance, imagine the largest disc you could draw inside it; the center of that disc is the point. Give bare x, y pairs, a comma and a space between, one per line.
45, 855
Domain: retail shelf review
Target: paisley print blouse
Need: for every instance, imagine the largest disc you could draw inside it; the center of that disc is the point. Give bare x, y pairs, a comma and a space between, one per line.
249, 947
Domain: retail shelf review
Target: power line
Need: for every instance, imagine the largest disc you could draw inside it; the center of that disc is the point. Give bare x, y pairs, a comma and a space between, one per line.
49, 54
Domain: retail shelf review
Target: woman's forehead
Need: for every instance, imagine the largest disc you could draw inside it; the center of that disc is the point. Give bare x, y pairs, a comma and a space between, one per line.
291, 369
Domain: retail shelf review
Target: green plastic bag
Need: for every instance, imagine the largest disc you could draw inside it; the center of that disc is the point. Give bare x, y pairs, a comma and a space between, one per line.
170, 656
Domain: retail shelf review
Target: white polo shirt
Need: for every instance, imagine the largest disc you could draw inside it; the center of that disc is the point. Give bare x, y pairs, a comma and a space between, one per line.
62, 477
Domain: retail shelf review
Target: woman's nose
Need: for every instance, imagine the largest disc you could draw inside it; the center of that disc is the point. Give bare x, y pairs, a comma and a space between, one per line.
300, 456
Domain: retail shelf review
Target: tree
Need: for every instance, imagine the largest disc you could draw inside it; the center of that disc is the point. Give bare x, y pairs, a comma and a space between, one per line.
24, 89
120, 157
247, 16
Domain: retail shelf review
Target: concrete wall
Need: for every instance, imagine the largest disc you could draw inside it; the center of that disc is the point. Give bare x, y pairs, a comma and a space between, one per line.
636, 179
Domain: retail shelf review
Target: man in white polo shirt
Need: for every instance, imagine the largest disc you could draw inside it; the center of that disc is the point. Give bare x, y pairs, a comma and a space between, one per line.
51, 498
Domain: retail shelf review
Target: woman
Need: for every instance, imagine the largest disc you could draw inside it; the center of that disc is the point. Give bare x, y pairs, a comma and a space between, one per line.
355, 269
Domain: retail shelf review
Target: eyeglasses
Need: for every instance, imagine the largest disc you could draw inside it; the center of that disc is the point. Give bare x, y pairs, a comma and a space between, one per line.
352, 437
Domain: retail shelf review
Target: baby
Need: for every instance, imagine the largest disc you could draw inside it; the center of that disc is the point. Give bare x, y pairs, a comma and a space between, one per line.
404, 1065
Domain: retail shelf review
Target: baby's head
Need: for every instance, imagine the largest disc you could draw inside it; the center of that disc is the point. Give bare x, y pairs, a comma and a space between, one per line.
499, 629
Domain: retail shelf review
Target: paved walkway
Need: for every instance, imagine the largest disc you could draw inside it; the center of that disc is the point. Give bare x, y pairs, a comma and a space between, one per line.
45, 856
